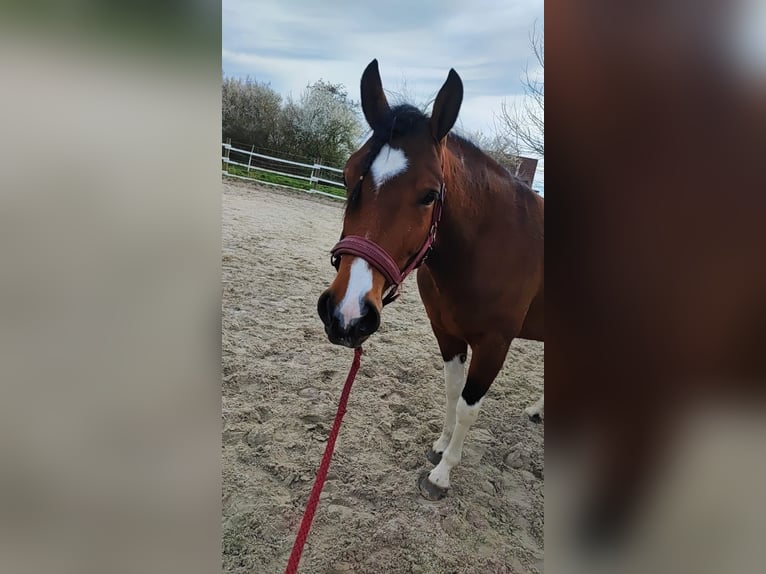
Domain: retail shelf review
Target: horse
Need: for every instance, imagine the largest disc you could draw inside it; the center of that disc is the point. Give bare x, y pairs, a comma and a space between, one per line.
480, 278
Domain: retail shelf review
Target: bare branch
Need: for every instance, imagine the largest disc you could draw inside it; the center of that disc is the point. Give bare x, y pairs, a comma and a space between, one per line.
524, 123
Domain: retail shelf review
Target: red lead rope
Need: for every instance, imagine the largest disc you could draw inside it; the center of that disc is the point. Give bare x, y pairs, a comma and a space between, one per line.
324, 466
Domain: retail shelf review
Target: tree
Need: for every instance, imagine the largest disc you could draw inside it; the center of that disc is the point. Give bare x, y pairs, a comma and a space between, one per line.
326, 122
524, 123
286, 137
249, 111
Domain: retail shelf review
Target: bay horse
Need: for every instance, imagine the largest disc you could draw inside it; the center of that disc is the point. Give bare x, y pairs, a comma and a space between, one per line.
480, 278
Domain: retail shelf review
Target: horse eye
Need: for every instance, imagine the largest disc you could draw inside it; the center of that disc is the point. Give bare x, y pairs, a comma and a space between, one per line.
429, 197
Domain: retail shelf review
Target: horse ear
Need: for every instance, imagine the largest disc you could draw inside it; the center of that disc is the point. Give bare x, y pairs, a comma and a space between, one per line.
374, 102
447, 106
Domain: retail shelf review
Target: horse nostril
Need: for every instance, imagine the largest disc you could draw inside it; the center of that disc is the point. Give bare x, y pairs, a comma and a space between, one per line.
324, 307
370, 320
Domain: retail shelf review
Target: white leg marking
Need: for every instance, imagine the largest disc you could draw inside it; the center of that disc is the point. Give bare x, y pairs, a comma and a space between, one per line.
359, 284
536, 409
466, 416
389, 163
454, 381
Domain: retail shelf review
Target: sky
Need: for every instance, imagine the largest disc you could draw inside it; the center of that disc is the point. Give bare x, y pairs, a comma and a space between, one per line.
292, 43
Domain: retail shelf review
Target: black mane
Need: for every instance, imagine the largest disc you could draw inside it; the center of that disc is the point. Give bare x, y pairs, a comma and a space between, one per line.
400, 121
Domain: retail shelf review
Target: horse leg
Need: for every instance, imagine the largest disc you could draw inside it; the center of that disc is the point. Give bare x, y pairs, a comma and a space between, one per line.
487, 360
535, 411
453, 353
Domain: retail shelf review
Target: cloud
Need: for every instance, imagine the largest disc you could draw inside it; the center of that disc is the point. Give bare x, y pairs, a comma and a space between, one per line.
291, 44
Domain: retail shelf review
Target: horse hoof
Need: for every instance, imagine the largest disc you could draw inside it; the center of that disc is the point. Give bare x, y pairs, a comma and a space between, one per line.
535, 418
433, 456
429, 490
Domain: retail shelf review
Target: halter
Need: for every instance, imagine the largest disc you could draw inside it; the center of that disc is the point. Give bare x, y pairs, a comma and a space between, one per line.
379, 258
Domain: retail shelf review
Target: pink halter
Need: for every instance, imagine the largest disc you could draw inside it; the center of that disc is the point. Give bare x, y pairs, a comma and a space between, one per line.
379, 258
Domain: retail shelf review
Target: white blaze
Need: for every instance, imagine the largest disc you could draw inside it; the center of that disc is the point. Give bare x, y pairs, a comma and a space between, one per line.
359, 284
389, 163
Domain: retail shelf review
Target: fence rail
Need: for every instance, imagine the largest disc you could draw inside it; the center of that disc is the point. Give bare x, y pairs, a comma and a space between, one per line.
294, 170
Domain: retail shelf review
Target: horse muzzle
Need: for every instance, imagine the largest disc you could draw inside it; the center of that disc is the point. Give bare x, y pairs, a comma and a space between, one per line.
352, 333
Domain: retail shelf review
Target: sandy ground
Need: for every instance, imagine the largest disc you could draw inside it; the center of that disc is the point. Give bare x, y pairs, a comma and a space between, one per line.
281, 384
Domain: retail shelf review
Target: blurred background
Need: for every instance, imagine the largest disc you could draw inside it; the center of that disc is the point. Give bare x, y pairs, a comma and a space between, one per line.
109, 287
655, 358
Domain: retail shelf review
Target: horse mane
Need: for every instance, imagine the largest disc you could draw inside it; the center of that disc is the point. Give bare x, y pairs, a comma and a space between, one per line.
473, 151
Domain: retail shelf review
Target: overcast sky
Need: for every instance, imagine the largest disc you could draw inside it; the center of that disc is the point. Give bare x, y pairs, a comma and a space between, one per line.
291, 43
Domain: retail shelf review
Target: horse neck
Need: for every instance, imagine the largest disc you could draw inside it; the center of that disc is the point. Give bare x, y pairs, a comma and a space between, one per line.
461, 215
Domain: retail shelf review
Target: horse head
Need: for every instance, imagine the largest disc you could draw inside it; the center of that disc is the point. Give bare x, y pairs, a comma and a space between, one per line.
395, 189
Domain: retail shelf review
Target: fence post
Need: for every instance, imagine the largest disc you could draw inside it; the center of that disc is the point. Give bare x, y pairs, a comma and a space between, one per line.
228, 152
312, 183
250, 159
319, 170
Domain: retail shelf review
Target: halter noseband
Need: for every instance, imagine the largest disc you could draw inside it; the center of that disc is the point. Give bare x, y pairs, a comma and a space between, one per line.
379, 258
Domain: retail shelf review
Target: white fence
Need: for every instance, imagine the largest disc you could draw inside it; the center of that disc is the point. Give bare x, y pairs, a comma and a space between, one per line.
314, 170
